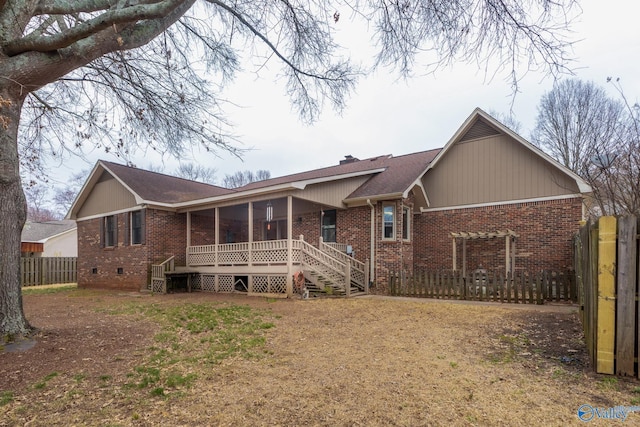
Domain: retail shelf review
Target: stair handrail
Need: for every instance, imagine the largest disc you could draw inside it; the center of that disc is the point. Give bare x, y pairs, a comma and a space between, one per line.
158, 273
331, 267
357, 267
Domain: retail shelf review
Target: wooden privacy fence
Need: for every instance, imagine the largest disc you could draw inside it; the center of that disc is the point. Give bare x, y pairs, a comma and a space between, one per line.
521, 287
46, 271
607, 273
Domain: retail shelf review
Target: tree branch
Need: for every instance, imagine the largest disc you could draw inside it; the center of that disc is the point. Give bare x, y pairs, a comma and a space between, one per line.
128, 15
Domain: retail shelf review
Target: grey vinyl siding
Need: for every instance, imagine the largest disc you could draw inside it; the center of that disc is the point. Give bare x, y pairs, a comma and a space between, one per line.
493, 169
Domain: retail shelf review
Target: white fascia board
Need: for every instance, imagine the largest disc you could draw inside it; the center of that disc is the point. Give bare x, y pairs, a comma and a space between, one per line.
103, 214
377, 197
503, 203
90, 181
294, 185
139, 200
417, 183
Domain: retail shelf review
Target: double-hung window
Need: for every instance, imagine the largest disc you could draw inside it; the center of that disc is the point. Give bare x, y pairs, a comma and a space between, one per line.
388, 222
329, 226
136, 228
110, 231
406, 225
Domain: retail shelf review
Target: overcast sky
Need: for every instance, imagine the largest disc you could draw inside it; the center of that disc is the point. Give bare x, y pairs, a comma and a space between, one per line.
387, 116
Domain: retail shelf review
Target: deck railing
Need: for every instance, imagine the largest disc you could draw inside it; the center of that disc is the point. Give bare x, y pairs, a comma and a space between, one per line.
359, 269
158, 277
341, 270
270, 252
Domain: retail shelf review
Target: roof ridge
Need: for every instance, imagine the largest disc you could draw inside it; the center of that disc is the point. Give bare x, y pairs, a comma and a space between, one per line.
162, 173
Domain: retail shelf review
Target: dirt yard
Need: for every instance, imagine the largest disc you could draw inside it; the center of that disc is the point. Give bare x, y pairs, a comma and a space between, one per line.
126, 359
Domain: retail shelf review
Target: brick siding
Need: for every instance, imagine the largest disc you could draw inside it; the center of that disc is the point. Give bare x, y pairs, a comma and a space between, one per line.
545, 232
165, 235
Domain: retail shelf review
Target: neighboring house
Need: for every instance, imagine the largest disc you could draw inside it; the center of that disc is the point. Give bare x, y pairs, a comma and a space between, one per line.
50, 239
487, 200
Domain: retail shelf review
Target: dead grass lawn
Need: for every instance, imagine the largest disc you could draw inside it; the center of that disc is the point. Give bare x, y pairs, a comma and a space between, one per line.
325, 362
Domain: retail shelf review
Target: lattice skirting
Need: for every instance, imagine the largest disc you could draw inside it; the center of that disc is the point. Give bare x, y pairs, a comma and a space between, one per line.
267, 284
158, 285
270, 284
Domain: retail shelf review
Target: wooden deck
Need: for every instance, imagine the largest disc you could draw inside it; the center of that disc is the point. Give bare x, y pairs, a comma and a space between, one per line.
266, 268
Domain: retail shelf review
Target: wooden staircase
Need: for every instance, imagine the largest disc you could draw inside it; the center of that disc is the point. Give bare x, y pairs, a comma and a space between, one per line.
318, 284
332, 272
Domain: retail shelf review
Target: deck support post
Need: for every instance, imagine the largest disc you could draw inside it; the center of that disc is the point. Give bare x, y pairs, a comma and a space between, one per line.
188, 235
217, 241
289, 246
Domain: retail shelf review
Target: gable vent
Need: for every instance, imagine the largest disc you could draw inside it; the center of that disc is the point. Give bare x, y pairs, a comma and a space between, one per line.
480, 129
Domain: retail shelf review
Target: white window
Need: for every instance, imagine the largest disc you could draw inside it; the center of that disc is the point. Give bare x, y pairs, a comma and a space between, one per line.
406, 225
389, 222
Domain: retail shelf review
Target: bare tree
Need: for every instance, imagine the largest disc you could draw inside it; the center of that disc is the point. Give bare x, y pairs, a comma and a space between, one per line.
508, 120
122, 75
37, 200
242, 178
197, 172
65, 196
596, 137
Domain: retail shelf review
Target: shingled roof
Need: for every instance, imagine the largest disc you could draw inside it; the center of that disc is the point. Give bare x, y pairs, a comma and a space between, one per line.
399, 175
158, 187
38, 232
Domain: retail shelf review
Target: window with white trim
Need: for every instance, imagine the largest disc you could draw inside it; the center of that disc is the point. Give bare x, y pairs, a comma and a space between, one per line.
406, 224
388, 222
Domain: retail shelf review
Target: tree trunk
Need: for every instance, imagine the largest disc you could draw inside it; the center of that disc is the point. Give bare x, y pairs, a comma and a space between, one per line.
13, 209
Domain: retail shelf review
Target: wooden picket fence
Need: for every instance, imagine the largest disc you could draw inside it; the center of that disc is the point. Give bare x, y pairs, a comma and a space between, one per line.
519, 288
607, 274
48, 270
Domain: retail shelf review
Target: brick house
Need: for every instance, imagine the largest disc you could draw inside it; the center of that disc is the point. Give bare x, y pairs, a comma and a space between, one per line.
488, 199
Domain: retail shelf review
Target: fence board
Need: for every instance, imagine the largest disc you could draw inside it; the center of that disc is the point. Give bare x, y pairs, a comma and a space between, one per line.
606, 294
49, 270
520, 288
626, 296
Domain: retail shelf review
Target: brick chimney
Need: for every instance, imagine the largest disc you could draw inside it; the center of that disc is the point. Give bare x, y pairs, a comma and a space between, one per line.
348, 159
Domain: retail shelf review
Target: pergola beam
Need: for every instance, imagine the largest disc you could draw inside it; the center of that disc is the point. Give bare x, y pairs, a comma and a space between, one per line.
510, 246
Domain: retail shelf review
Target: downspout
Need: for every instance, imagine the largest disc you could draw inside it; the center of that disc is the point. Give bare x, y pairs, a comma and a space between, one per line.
372, 253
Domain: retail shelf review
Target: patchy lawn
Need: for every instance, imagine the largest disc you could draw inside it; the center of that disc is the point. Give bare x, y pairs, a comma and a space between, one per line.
120, 359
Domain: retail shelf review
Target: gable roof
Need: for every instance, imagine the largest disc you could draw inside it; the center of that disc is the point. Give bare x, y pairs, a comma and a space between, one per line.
480, 124
386, 176
40, 232
157, 187
401, 174
147, 187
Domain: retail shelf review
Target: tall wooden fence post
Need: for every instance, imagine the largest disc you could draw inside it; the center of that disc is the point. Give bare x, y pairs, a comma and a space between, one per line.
626, 296
606, 295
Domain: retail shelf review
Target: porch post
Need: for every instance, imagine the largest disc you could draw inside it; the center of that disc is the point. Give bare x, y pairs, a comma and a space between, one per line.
289, 246
217, 238
188, 236
250, 254
250, 231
